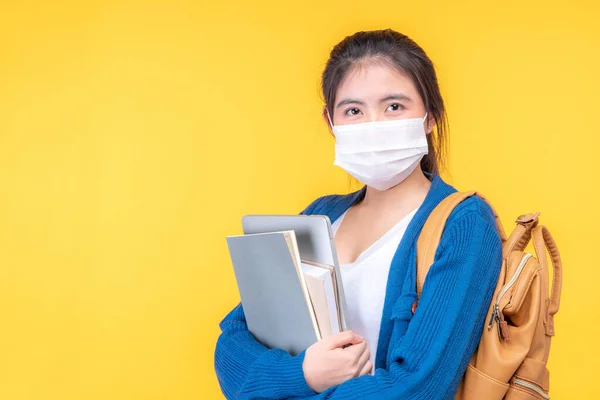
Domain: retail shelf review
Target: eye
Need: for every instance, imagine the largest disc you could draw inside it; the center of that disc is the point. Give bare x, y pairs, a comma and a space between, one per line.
395, 107
352, 111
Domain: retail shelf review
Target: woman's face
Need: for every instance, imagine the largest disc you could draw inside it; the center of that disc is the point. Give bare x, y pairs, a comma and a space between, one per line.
376, 92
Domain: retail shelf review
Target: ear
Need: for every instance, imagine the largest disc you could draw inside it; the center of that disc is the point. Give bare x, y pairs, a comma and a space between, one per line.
326, 118
429, 124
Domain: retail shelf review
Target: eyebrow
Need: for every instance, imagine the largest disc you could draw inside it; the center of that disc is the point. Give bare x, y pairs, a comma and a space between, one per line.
399, 96
396, 96
346, 102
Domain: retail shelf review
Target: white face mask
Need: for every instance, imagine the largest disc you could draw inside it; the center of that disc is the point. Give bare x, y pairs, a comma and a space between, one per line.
380, 154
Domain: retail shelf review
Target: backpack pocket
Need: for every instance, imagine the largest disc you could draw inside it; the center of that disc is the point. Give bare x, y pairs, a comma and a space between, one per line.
476, 382
523, 390
530, 382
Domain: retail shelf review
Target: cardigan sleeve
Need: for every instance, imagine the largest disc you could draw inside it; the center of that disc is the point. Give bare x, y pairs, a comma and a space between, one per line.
431, 358
246, 369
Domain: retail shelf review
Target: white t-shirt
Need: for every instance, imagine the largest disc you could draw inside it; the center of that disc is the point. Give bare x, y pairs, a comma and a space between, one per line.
365, 282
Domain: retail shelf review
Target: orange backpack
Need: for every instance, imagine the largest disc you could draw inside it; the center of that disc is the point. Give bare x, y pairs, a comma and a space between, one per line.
510, 361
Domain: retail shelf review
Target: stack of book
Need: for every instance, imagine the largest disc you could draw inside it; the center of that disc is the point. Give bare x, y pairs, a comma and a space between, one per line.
289, 302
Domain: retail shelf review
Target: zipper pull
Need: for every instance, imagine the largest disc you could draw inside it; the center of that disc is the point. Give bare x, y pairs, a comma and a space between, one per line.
503, 330
502, 325
493, 317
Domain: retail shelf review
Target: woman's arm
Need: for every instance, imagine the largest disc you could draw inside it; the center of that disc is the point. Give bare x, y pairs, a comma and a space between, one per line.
429, 361
248, 370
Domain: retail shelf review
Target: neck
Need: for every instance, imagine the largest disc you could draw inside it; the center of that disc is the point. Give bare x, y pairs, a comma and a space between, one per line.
410, 192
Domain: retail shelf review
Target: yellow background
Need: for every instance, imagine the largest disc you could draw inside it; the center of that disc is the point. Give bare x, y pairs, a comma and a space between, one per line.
135, 135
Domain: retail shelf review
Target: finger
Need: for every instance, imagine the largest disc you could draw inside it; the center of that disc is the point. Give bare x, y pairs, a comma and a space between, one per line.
355, 352
363, 358
368, 367
343, 338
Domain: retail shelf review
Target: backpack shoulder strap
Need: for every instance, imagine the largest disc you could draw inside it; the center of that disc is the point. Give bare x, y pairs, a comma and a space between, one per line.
432, 232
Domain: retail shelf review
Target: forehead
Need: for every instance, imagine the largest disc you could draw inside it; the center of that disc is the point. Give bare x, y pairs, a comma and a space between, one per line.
374, 80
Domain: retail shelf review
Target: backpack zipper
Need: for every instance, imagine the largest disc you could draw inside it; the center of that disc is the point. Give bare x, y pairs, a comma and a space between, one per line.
496, 311
531, 386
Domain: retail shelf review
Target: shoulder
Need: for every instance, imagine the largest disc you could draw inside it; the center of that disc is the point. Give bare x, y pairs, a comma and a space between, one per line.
473, 207
471, 230
473, 214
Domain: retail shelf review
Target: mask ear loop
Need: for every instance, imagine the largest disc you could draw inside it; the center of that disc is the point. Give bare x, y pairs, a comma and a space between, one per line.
329, 118
424, 119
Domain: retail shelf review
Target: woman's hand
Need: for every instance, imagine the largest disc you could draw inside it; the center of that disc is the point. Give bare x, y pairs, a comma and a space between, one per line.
327, 364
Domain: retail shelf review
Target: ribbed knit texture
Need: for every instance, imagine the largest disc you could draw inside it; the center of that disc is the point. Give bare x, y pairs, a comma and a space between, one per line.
420, 356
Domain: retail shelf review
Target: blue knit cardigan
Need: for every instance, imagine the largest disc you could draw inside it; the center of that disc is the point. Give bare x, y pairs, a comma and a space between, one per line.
420, 356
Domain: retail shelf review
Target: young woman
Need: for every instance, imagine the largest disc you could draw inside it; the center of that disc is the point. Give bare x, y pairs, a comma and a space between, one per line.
383, 105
